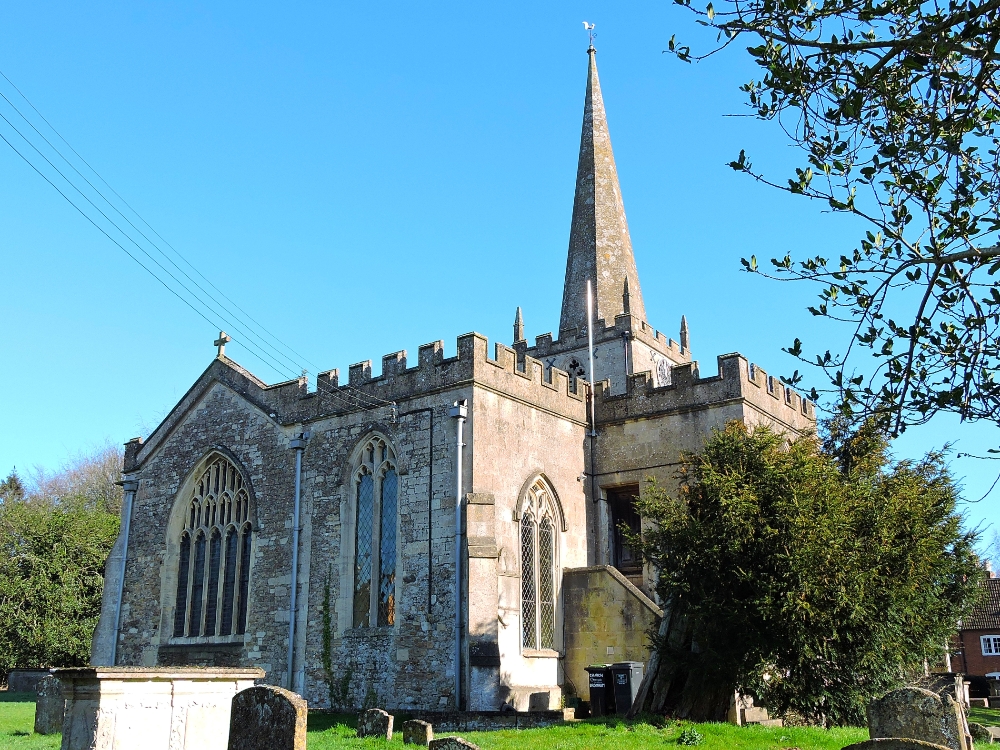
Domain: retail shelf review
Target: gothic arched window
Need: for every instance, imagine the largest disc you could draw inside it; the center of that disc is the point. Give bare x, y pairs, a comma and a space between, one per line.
376, 495
538, 569
213, 569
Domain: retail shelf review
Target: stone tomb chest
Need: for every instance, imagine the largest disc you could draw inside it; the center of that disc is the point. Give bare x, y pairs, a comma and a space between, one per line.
165, 708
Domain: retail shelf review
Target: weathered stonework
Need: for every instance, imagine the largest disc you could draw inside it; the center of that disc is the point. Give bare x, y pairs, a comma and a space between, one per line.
375, 723
417, 732
528, 424
268, 718
49, 706
895, 744
25, 680
918, 714
452, 743
607, 620
155, 709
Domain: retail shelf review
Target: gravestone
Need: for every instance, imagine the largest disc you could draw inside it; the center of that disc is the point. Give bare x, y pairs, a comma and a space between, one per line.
918, 714
979, 733
375, 723
25, 680
267, 718
416, 732
49, 706
452, 743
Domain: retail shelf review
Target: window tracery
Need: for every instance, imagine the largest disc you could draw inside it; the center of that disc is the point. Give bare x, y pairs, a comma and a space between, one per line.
539, 545
213, 568
376, 491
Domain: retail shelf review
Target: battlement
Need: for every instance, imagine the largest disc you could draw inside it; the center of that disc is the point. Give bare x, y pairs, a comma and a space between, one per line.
524, 378
737, 380
292, 401
576, 338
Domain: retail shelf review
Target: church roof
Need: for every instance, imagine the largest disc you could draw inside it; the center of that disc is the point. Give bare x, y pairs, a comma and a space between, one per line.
600, 248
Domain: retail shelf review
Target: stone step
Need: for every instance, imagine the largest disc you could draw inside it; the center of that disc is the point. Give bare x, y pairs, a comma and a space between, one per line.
754, 715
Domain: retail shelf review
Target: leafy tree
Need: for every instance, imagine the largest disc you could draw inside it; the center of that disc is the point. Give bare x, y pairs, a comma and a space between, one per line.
811, 575
11, 488
51, 567
893, 105
56, 531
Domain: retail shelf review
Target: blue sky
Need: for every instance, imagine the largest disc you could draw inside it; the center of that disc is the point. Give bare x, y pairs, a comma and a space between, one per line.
364, 178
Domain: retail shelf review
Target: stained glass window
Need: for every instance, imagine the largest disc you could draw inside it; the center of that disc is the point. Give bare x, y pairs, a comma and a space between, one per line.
376, 490
539, 569
363, 551
208, 597
387, 549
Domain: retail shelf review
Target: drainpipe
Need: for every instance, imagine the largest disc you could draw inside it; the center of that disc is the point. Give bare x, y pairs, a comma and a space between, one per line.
298, 445
129, 486
459, 411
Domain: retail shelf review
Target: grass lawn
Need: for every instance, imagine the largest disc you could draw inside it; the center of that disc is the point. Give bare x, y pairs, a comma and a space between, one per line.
985, 716
336, 732
17, 724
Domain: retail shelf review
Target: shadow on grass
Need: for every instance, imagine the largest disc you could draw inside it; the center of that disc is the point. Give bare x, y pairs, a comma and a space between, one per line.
985, 716
8, 697
321, 722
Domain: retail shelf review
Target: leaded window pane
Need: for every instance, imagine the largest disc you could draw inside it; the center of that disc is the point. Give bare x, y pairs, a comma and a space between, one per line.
387, 549
241, 620
180, 602
546, 587
197, 586
229, 583
528, 613
363, 551
214, 565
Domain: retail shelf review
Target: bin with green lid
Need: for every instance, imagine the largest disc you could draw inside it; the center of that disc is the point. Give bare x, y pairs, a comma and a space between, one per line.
602, 694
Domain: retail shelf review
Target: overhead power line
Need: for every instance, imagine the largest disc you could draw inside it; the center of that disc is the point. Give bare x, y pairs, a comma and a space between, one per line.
253, 334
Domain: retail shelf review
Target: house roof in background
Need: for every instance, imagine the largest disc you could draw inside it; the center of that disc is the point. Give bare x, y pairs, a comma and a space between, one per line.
986, 616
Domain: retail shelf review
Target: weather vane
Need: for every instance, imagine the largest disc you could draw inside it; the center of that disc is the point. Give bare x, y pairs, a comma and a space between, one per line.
590, 30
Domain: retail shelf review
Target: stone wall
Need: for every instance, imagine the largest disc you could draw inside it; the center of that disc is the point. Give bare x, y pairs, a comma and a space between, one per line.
513, 444
607, 620
409, 664
224, 422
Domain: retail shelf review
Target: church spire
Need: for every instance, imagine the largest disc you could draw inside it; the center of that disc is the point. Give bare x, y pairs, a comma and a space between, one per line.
599, 244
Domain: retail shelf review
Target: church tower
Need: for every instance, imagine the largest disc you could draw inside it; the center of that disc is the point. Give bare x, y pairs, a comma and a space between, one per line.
600, 251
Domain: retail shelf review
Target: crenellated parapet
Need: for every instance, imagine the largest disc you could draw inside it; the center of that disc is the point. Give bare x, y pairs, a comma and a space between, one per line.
738, 382
627, 325
528, 380
293, 401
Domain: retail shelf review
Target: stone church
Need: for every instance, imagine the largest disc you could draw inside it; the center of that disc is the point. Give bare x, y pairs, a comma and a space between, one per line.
315, 533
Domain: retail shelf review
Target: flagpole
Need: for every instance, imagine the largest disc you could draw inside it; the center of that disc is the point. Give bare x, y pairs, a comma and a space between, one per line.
590, 351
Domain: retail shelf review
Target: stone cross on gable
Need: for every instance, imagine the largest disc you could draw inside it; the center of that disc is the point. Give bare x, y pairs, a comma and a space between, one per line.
221, 343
